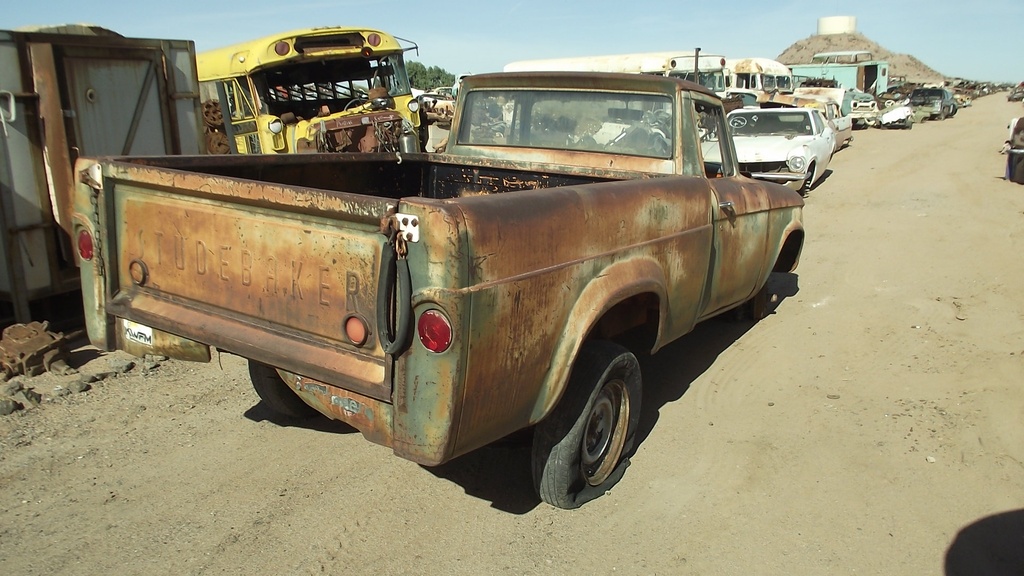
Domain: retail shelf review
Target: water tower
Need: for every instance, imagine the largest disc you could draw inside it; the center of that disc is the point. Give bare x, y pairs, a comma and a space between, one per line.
837, 25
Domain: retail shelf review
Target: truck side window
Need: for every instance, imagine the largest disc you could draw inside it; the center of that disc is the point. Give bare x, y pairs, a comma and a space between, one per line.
711, 130
489, 118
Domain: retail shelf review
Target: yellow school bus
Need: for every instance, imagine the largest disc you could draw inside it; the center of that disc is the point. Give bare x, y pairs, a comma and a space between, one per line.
313, 90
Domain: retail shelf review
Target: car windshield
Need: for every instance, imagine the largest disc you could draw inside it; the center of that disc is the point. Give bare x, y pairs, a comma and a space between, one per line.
770, 123
925, 95
612, 122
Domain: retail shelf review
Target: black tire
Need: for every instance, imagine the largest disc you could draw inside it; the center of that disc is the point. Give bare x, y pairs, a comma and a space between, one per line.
276, 395
582, 448
805, 188
1016, 171
756, 308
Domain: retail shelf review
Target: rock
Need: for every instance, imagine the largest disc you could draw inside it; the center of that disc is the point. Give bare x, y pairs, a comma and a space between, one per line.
833, 396
12, 387
930, 459
60, 368
28, 397
8, 406
121, 365
79, 387
155, 358
90, 378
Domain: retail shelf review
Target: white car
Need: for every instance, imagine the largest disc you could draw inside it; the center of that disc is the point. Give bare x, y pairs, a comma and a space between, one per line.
791, 146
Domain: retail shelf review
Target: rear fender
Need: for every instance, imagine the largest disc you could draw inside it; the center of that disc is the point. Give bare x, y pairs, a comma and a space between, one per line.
617, 282
789, 245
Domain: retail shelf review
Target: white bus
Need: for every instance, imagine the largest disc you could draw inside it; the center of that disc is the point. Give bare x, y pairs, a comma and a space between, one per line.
759, 74
707, 69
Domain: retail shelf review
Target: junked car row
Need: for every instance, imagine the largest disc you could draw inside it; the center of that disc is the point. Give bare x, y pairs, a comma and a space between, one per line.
913, 105
783, 132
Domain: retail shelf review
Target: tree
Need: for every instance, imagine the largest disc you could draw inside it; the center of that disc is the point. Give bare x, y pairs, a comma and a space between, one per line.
425, 78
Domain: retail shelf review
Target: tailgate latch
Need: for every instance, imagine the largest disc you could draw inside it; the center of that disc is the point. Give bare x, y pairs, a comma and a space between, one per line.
92, 176
408, 227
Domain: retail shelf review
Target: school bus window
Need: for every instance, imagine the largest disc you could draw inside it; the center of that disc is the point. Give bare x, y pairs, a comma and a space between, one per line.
239, 105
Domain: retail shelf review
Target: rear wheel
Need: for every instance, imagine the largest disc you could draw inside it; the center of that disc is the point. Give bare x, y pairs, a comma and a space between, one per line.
581, 449
275, 394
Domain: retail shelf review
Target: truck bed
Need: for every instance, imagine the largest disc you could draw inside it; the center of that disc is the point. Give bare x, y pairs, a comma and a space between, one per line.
387, 176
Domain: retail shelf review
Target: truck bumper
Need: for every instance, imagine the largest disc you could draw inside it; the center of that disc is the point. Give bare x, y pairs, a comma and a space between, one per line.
789, 179
374, 419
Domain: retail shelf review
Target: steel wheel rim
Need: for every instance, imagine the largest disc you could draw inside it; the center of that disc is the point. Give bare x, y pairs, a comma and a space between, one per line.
605, 432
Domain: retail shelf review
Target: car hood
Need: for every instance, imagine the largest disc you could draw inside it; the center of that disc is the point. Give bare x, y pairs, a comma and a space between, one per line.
897, 114
767, 148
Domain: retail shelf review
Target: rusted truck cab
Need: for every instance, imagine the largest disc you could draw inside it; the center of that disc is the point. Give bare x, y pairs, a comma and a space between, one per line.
440, 302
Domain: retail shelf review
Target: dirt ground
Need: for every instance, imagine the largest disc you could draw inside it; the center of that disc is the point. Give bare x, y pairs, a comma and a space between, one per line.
872, 424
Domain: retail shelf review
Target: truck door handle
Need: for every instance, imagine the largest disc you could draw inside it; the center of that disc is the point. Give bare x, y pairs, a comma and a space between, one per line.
727, 207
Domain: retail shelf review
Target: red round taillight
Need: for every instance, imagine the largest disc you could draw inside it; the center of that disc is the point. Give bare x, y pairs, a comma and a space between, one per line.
282, 48
85, 247
373, 39
435, 331
356, 330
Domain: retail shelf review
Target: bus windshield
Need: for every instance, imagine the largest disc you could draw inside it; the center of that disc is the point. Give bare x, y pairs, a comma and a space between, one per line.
714, 81
328, 86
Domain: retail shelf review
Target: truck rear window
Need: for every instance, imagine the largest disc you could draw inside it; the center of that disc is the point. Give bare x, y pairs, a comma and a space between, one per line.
611, 122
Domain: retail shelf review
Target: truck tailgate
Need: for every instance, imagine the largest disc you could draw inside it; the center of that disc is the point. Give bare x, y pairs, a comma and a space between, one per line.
264, 271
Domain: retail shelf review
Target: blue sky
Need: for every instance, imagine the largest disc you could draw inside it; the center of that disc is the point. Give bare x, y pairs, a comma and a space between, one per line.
973, 39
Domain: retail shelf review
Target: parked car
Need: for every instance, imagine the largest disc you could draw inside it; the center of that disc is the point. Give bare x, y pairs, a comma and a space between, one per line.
899, 115
791, 146
863, 110
937, 103
1015, 95
828, 100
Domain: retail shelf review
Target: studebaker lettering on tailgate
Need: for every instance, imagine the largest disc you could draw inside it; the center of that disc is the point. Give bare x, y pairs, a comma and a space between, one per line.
220, 256
237, 266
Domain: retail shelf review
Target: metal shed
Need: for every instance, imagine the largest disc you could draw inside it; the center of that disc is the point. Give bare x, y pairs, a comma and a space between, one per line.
65, 92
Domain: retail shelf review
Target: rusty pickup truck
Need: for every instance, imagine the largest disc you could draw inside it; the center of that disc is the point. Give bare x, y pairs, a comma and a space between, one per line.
441, 302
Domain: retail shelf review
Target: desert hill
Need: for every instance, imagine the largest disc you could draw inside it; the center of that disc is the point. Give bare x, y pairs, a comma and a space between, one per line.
900, 64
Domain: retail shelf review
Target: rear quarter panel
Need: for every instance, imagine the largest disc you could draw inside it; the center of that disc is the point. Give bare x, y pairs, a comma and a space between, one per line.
545, 264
